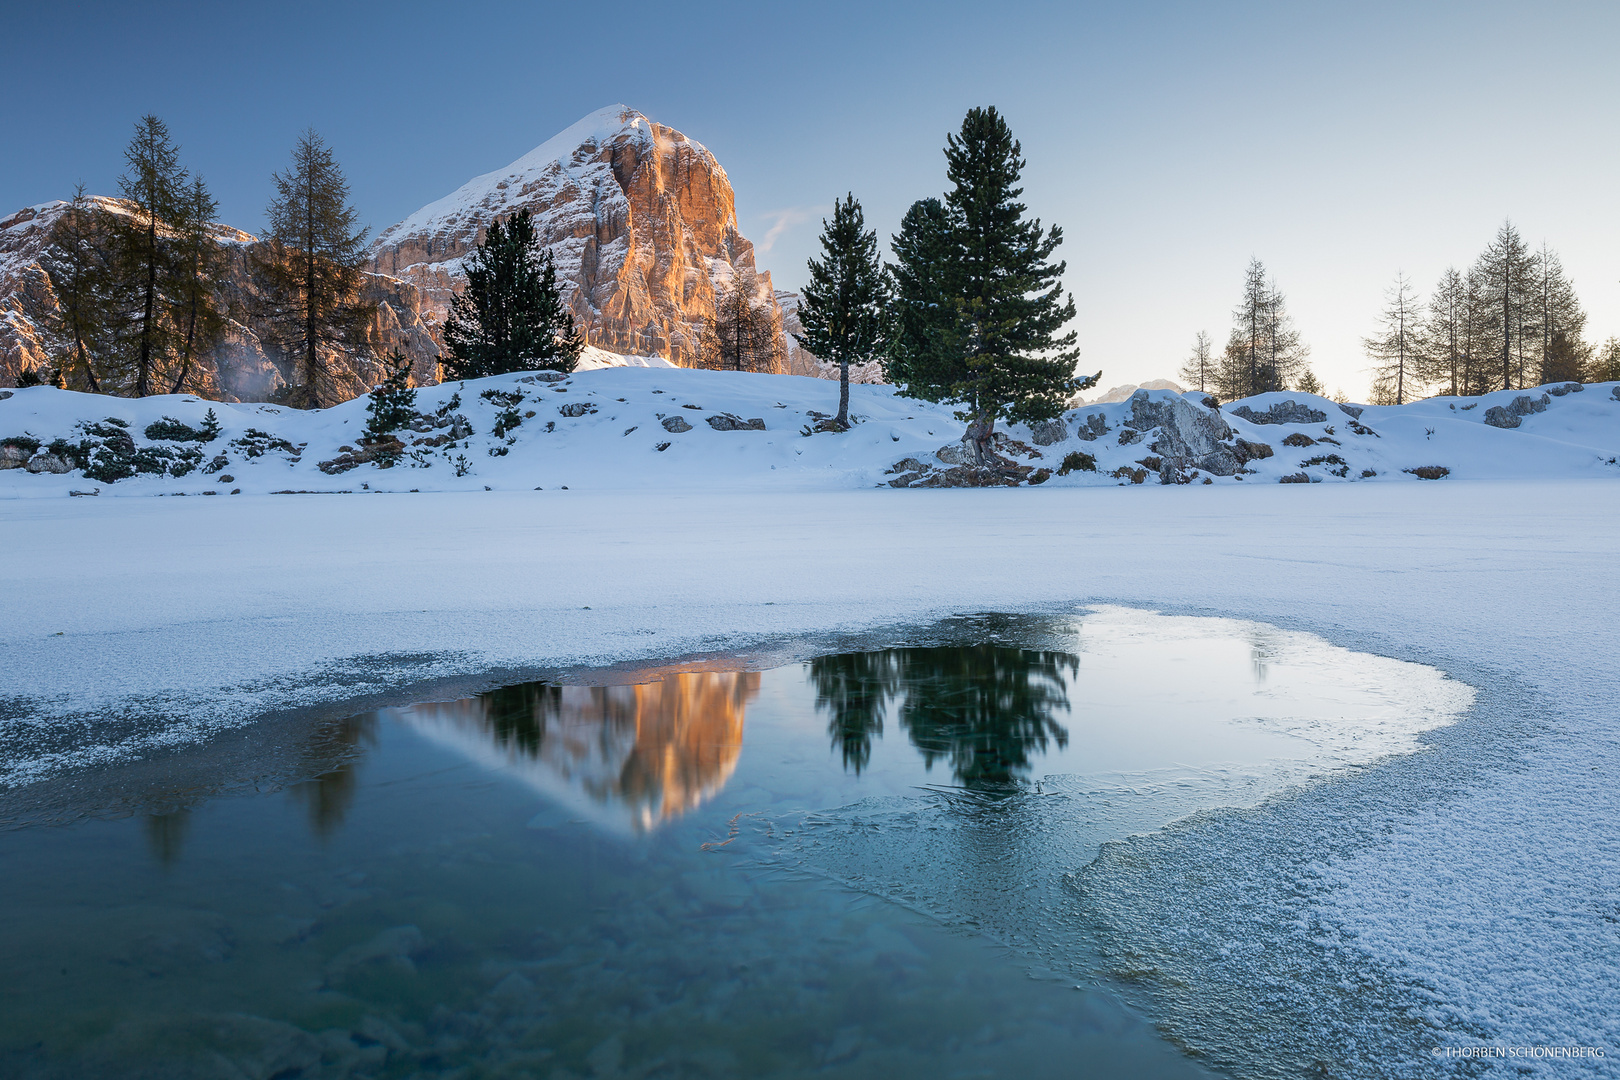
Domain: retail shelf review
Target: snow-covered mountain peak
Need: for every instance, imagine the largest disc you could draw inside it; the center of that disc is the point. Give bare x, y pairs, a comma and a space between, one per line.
570, 151
640, 222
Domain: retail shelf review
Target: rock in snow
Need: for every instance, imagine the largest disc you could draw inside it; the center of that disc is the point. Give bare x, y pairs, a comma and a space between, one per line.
1284, 412
1190, 437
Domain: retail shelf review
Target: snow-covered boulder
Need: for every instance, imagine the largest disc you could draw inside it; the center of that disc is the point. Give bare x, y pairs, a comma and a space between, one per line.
1510, 415
1048, 432
1190, 437
1283, 412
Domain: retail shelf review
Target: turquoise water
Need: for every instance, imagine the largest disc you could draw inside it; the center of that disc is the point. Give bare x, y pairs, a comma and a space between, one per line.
673, 873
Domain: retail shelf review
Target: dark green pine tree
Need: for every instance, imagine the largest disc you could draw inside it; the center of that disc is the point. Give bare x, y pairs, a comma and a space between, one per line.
308, 272
994, 342
391, 405
843, 309
511, 316
925, 339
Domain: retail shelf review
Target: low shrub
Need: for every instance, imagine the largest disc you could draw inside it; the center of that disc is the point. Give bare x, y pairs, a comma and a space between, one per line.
1077, 461
1429, 472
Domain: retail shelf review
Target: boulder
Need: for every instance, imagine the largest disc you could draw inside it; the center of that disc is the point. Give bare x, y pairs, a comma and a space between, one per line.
1284, 412
1521, 406
13, 457
577, 408
1251, 451
675, 425
731, 422
1095, 427
1566, 388
1047, 432
47, 462
1353, 411
1189, 437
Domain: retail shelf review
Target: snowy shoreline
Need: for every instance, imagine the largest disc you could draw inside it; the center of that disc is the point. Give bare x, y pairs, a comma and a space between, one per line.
630, 427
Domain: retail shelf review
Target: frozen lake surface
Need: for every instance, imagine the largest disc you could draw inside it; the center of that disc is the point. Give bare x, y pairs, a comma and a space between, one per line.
1459, 897
655, 871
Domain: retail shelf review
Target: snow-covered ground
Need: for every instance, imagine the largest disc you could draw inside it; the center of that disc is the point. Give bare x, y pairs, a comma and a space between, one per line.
1486, 893
634, 422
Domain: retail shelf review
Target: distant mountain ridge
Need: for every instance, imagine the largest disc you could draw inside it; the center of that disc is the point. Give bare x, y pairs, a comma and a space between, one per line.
641, 222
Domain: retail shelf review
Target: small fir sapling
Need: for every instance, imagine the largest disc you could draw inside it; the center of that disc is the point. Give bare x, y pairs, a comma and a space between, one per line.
392, 403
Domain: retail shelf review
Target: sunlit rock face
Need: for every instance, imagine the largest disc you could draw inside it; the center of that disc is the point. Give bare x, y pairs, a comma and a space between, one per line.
630, 756
639, 219
240, 367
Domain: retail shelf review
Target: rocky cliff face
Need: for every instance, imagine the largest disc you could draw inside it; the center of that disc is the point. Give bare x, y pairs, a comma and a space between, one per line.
240, 368
640, 221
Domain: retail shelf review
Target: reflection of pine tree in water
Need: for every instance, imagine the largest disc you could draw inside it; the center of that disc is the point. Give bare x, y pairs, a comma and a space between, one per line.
855, 688
986, 708
330, 794
517, 715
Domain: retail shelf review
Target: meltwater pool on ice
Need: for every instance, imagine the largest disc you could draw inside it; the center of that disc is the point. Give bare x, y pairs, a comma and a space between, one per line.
850, 866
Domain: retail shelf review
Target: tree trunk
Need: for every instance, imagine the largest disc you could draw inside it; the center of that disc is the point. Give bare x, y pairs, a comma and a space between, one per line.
143, 367
977, 437
843, 395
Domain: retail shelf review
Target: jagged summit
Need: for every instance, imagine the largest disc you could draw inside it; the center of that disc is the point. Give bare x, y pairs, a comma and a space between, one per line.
504, 189
640, 220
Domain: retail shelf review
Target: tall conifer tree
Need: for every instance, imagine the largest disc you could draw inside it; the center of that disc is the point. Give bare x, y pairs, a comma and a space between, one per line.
308, 271
1507, 271
1397, 349
1198, 370
511, 316
1560, 321
926, 337
79, 263
198, 266
1004, 352
843, 309
155, 184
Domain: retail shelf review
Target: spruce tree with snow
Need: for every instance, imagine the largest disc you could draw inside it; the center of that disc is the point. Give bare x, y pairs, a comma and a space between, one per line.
308, 273
843, 309
994, 342
511, 316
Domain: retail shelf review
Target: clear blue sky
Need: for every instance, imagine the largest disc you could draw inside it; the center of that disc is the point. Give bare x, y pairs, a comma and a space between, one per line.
1338, 143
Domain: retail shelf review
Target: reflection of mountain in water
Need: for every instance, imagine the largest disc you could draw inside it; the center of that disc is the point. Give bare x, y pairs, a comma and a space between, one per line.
636, 755
985, 708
